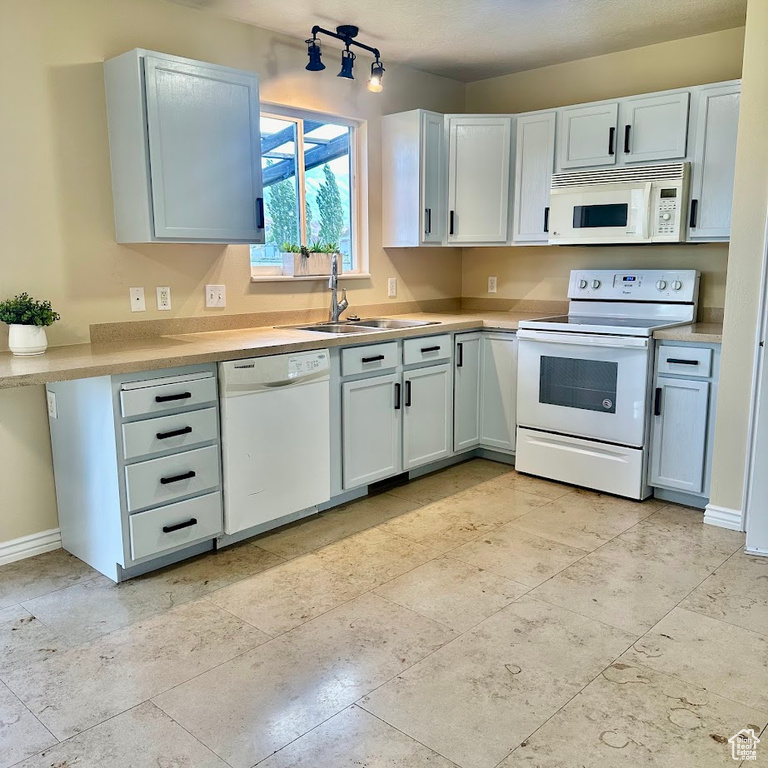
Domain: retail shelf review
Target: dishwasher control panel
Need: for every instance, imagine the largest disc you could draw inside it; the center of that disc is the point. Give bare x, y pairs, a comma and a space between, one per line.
311, 362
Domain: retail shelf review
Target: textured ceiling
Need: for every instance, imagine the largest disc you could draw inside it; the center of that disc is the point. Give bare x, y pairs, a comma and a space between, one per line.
475, 39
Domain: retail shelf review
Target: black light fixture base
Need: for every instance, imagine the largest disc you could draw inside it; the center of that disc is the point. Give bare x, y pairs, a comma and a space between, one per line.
348, 30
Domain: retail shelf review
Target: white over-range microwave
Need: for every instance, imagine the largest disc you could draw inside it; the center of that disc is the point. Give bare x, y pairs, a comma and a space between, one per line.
644, 204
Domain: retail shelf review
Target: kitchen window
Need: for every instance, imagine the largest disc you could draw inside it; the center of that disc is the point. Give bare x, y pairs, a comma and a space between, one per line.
312, 190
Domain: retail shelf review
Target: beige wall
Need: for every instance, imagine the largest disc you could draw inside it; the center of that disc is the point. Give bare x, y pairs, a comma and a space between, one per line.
542, 272
747, 251
55, 199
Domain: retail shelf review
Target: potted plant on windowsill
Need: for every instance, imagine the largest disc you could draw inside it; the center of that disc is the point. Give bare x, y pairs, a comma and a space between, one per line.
312, 261
27, 320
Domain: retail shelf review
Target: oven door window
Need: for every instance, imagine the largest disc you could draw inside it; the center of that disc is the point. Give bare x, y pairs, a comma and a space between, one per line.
575, 383
599, 216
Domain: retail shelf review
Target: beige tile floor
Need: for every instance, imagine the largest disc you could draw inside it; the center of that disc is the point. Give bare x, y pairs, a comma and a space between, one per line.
473, 618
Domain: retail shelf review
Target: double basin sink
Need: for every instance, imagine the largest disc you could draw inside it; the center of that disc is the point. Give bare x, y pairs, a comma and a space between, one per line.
365, 326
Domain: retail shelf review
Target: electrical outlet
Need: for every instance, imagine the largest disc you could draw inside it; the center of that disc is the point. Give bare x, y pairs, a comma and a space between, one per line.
163, 298
492, 284
392, 287
137, 300
215, 296
53, 410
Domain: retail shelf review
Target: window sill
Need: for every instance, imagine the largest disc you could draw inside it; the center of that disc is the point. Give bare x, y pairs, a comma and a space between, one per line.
291, 279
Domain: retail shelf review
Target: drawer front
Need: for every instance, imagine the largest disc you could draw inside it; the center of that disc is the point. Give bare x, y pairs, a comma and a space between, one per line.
185, 522
167, 433
691, 362
157, 398
426, 349
368, 358
159, 481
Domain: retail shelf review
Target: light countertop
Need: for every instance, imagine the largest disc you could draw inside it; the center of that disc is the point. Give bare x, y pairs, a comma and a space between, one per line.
85, 360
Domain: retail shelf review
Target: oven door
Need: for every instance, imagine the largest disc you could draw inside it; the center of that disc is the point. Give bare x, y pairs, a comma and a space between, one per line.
587, 385
601, 213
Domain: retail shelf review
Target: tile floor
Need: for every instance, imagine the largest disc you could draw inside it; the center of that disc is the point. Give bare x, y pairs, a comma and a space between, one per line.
473, 618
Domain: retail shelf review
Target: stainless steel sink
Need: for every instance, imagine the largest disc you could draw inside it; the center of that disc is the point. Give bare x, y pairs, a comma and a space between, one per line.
389, 323
334, 328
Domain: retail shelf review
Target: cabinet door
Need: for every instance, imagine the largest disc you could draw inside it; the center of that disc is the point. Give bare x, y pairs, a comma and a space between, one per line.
204, 152
466, 391
588, 135
714, 162
432, 211
371, 416
427, 415
498, 399
534, 161
679, 434
654, 127
478, 179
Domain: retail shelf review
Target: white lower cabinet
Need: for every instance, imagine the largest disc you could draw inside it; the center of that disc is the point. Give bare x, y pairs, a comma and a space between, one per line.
498, 394
371, 419
466, 391
427, 415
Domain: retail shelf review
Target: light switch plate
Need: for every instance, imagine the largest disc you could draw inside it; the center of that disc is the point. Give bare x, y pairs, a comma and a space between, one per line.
392, 287
215, 296
138, 304
163, 298
492, 284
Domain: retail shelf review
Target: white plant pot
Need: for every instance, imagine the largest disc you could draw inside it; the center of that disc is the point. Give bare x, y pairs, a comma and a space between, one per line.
27, 340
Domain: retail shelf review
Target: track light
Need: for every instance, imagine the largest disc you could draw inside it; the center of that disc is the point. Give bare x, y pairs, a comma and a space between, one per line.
374, 83
315, 62
347, 34
347, 62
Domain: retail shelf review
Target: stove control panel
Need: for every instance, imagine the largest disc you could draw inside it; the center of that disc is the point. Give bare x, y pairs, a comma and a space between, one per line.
662, 286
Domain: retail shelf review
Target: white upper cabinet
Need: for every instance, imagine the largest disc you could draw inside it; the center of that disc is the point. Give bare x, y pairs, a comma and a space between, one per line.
653, 128
714, 162
185, 150
534, 162
587, 135
413, 180
479, 149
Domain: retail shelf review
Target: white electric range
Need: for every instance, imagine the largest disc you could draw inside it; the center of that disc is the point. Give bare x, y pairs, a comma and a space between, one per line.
584, 385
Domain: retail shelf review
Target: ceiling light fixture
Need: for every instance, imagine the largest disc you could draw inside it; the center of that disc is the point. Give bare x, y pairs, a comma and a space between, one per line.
347, 34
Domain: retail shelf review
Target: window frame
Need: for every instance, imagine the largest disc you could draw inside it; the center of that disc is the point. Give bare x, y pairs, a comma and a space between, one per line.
358, 169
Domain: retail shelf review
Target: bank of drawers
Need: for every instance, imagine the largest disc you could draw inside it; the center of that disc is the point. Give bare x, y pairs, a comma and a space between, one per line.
172, 464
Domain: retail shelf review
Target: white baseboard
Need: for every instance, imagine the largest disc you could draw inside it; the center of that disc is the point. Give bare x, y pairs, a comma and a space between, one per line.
724, 517
28, 546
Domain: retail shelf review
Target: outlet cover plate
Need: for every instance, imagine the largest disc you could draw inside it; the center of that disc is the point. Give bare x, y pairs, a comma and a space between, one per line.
492, 284
163, 298
392, 287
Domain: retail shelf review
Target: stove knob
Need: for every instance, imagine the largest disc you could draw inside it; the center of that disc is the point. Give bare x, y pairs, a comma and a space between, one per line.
661, 285
582, 284
595, 284
677, 285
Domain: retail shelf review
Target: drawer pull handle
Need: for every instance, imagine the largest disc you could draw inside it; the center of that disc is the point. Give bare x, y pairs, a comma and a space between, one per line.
175, 433
188, 524
373, 359
178, 478
678, 361
171, 398
424, 350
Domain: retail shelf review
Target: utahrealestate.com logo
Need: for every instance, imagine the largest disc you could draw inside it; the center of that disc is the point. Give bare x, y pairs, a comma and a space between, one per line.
744, 745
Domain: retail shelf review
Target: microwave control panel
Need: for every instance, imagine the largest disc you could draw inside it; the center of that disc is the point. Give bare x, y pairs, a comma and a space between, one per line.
635, 285
667, 210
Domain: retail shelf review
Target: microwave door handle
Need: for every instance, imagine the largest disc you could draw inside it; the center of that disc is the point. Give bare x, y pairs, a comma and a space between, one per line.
647, 192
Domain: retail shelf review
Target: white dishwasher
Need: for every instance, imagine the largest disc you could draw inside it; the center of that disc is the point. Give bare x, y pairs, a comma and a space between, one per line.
276, 442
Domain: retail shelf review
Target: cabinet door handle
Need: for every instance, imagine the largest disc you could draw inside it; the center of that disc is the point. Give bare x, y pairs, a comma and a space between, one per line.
451, 222
397, 397
680, 361
694, 213
429, 221
372, 359
171, 398
546, 219
627, 129
188, 524
460, 355
259, 213
612, 140
174, 433
178, 478
407, 394
657, 402
424, 350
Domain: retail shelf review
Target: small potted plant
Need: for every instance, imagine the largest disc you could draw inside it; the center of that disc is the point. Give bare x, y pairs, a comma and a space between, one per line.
28, 320
308, 261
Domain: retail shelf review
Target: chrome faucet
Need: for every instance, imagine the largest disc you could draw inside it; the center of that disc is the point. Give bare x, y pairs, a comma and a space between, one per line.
337, 307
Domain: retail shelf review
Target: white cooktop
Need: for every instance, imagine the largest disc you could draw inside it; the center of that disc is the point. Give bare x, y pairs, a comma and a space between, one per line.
622, 326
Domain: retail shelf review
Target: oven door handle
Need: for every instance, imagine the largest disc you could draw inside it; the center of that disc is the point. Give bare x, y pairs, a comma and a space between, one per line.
584, 340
